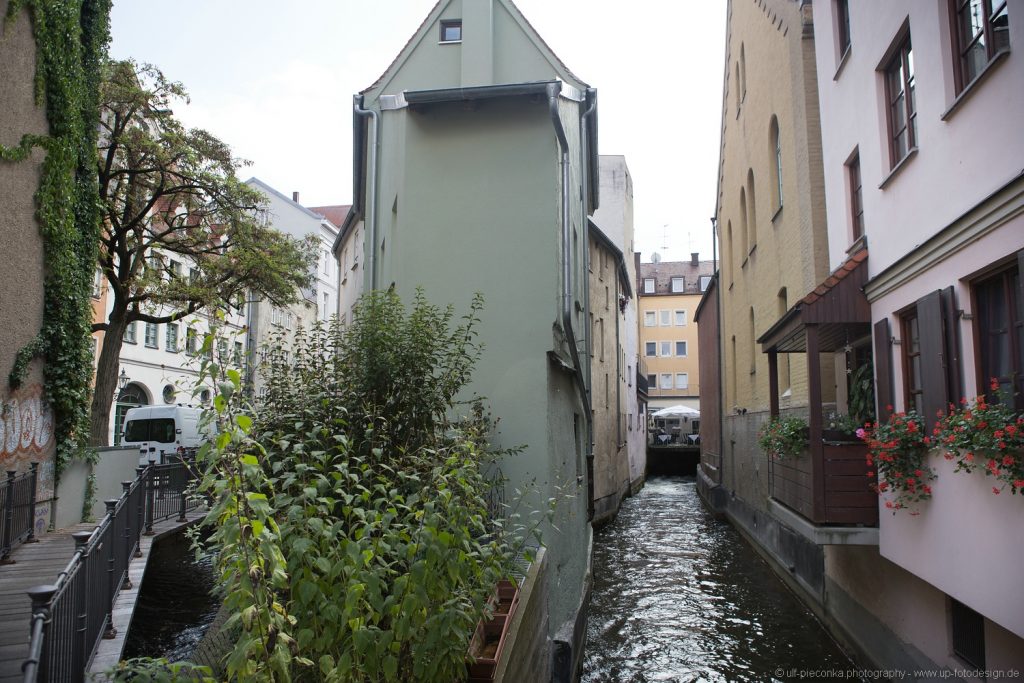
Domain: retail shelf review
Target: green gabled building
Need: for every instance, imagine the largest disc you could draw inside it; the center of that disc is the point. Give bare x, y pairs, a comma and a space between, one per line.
475, 160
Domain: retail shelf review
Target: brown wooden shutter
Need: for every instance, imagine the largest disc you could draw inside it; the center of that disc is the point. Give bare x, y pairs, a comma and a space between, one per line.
883, 369
954, 371
934, 390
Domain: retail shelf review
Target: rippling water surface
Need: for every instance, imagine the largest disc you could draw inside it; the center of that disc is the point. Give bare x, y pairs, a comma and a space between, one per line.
176, 604
679, 596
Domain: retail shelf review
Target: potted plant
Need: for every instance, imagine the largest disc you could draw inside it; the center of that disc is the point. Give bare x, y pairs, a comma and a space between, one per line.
840, 427
986, 436
898, 451
783, 437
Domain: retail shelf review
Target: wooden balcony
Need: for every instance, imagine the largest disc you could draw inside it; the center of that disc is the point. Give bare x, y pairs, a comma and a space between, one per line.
827, 485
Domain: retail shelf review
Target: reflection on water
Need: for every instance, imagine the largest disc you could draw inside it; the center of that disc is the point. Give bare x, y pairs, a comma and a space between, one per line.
176, 604
679, 596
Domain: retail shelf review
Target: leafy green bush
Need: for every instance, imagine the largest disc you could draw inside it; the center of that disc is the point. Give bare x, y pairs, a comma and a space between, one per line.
351, 511
784, 437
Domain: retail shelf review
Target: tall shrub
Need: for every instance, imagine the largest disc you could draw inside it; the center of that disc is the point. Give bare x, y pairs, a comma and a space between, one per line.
355, 539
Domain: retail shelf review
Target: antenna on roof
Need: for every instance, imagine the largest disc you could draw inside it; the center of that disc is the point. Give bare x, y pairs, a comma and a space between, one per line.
656, 257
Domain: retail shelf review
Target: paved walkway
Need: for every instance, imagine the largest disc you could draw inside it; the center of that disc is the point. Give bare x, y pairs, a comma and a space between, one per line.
41, 563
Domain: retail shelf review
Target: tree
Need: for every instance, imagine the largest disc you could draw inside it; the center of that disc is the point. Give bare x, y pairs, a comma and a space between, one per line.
170, 194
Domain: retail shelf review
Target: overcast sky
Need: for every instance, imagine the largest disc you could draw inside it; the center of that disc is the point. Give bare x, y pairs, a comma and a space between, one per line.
275, 81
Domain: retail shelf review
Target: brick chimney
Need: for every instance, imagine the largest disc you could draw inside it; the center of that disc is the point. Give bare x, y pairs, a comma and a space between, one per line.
295, 197
693, 255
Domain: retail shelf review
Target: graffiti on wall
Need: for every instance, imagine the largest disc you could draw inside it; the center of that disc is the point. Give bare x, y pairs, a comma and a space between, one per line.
26, 425
26, 437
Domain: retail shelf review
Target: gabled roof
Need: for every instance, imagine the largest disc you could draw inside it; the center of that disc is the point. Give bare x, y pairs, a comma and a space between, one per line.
269, 190
335, 213
424, 29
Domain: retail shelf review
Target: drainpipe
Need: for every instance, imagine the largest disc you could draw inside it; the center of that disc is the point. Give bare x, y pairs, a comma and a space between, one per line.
371, 193
553, 90
591, 96
721, 353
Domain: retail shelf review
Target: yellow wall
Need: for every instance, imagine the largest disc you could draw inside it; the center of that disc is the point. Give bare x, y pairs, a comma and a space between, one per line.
672, 333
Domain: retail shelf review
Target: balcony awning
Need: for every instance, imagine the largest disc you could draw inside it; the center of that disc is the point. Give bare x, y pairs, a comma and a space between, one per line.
837, 308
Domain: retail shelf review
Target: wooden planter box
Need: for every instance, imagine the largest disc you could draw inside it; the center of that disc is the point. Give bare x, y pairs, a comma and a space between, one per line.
489, 638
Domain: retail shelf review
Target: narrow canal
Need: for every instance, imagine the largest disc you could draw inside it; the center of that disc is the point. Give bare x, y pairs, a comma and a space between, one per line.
681, 597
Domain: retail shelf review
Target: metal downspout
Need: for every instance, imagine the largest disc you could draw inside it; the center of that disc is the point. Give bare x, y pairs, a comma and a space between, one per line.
581, 382
371, 192
591, 96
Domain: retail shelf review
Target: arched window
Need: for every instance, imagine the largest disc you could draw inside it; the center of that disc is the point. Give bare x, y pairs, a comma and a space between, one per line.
743, 74
784, 377
776, 150
728, 249
753, 344
132, 396
743, 225
751, 209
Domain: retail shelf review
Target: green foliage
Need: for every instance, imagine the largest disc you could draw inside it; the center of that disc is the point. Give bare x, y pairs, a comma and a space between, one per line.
355, 540
70, 39
861, 395
783, 437
146, 670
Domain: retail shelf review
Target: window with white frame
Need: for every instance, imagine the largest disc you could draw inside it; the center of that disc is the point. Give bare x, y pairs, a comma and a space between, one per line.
650, 349
682, 380
666, 318
666, 380
171, 338
648, 285
677, 284
151, 335
239, 352
97, 284
174, 267
650, 319
191, 341
276, 316
666, 348
680, 318
129, 333
705, 280
652, 381
681, 348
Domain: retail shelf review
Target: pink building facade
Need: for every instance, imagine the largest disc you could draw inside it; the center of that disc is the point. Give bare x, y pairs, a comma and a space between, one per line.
921, 106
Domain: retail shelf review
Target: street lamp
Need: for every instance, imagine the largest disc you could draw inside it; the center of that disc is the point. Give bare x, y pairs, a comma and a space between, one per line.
122, 381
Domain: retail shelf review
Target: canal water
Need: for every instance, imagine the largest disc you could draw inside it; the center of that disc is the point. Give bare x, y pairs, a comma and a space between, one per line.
681, 597
176, 604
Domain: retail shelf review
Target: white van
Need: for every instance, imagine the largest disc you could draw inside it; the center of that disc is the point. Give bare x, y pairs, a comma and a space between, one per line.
161, 432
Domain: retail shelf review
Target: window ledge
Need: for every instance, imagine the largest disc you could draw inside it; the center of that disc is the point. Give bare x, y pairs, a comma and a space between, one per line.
744, 264
974, 84
842, 62
897, 168
777, 213
858, 244
752, 250
448, 42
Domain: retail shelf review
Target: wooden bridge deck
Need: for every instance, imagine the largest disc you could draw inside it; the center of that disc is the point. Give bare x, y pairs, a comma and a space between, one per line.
34, 564
41, 563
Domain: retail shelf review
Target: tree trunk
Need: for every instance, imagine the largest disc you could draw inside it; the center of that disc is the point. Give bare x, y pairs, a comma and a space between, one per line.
106, 380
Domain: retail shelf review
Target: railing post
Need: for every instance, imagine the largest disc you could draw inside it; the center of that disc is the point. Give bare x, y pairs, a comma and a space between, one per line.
182, 494
8, 531
81, 647
150, 502
34, 471
141, 516
127, 487
110, 631
35, 668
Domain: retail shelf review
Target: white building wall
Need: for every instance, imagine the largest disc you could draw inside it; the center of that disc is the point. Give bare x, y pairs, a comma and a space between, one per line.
615, 218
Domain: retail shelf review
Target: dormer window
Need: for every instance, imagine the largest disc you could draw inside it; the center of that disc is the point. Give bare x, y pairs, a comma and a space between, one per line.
451, 31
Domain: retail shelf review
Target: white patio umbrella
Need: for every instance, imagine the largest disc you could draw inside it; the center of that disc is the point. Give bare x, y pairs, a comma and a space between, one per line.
677, 411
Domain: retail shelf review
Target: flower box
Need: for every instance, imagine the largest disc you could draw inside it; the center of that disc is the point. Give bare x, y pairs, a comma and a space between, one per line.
489, 639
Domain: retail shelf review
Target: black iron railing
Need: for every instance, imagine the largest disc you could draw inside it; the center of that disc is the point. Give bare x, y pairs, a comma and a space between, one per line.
71, 616
18, 506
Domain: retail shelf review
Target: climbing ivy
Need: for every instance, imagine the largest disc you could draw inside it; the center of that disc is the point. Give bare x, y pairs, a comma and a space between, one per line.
71, 38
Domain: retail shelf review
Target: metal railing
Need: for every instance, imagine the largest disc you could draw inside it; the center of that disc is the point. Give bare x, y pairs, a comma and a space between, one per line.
18, 504
70, 616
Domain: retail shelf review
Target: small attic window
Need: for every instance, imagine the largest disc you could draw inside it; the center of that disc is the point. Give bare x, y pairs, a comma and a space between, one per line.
451, 31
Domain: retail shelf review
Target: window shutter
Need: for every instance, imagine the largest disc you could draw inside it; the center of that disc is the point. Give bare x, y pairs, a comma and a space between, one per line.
934, 359
883, 369
954, 372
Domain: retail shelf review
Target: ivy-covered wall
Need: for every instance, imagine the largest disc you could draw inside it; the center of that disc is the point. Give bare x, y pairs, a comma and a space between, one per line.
49, 226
